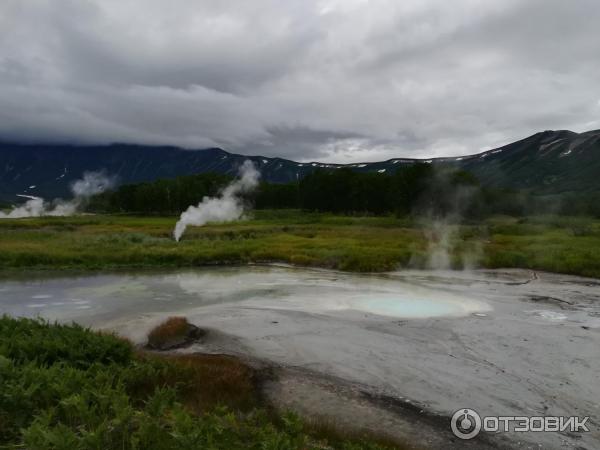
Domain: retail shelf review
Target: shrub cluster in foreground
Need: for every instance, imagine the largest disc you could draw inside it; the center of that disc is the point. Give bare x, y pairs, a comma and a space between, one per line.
65, 387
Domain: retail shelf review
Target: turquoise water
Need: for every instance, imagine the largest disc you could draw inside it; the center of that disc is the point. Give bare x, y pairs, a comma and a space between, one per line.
411, 308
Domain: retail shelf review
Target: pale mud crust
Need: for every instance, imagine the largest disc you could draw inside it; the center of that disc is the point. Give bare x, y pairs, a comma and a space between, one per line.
347, 406
535, 354
351, 407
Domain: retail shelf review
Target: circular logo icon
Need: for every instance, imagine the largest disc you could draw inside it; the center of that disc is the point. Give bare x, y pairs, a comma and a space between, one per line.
466, 423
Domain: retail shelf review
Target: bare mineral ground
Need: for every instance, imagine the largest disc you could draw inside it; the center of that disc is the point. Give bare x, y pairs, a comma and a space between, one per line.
399, 351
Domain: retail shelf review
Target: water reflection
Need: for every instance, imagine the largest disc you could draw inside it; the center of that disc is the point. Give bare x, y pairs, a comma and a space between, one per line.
98, 298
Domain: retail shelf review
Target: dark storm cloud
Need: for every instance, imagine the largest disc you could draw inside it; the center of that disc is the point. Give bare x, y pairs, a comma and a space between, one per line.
337, 80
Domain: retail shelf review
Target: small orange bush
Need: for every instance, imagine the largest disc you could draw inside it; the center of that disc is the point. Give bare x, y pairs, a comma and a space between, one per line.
171, 330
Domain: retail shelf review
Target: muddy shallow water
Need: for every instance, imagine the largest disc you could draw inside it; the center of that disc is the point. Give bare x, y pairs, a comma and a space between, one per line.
500, 342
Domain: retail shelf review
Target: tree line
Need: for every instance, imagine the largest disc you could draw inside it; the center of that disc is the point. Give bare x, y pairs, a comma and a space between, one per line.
165, 196
421, 189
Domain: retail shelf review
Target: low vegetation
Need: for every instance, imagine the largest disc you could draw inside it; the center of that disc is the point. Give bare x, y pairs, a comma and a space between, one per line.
553, 243
559, 244
65, 387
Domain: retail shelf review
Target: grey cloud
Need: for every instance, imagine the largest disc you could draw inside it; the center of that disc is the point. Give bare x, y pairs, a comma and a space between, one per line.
298, 142
305, 79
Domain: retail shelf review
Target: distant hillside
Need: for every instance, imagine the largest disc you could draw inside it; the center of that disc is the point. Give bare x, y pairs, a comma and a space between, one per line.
548, 162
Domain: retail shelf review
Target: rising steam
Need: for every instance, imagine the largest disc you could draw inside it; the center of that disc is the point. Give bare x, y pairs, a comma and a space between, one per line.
440, 244
226, 207
91, 184
447, 247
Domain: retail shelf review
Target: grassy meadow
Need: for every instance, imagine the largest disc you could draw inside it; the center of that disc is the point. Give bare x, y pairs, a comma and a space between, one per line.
552, 243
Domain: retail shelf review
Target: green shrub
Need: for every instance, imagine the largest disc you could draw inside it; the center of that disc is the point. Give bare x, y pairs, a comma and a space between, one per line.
65, 387
34, 340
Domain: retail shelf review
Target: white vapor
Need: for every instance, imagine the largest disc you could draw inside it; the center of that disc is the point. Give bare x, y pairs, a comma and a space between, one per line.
91, 184
228, 206
32, 208
440, 245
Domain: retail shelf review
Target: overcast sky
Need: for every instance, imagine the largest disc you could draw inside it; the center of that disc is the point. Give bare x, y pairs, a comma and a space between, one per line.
332, 80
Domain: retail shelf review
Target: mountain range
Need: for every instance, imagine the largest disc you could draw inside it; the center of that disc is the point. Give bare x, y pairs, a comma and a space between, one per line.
549, 162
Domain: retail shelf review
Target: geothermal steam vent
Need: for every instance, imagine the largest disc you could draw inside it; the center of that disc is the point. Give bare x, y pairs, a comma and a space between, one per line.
228, 206
91, 184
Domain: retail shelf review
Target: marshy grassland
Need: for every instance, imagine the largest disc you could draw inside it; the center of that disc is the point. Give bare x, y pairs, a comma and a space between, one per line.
66, 387
558, 244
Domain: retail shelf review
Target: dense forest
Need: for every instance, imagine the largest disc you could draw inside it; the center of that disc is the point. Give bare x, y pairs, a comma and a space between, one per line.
167, 196
417, 189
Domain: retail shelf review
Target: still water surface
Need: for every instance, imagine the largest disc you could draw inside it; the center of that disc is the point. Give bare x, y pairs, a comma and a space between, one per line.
94, 299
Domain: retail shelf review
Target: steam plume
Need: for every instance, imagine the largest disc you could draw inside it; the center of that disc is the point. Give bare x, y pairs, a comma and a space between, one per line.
446, 248
91, 184
228, 206
440, 245
441, 210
